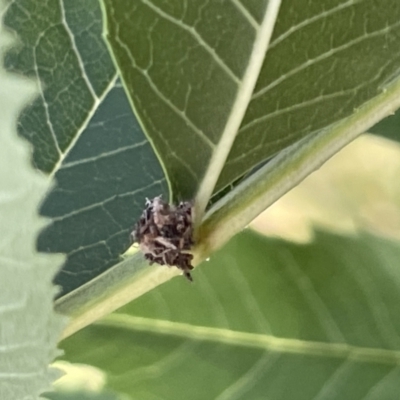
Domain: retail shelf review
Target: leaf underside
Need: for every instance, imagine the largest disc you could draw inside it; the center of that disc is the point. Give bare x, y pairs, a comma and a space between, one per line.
324, 61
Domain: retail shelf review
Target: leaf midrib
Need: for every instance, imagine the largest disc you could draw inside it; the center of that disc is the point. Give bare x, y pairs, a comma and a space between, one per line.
251, 340
243, 97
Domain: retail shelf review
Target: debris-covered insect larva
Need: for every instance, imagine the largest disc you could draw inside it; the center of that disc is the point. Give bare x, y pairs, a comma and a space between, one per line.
165, 234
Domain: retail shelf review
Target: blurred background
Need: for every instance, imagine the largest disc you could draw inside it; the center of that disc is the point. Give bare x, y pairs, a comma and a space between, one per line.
357, 189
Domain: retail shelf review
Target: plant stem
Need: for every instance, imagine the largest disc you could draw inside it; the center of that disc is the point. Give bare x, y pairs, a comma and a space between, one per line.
237, 209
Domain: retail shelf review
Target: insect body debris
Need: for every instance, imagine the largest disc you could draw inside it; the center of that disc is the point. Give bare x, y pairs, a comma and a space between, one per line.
164, 233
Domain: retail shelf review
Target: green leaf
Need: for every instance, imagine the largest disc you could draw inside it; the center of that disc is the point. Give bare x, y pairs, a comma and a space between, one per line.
264, 319
80, 395
29, 327
84, 134
190, 71
389, 127
60, 44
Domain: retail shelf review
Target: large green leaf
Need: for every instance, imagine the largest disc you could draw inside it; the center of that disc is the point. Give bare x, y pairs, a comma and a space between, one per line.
81, 395
84, 134
190, 70
264, 319
29, 328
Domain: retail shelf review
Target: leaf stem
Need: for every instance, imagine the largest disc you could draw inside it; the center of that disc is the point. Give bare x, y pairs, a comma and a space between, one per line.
110, 290
238, 208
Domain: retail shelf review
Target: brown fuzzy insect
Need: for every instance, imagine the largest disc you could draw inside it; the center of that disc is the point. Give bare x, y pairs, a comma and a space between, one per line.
165, 234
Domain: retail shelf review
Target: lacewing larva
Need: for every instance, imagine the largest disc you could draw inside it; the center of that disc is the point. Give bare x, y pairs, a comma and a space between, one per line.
164, 233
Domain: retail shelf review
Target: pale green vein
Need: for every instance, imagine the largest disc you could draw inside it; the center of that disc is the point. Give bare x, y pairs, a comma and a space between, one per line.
162, 97
105, 154
158, 368
335, 381
239, 108
75, 49
376, 305
79, 249
89, 116
309, 21
243, 10
197, 37
294, 107
171, 152
41, 93
310, 295
251, 340
103, 202
245, 292
245, 383
322, 57
382, 383
184, 163
211, 294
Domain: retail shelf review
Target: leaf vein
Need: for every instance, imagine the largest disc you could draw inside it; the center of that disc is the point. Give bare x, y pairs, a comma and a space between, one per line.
252, 340
245, 12
323, 57
309, 21
246, 382
162, 97
76, 51
312, 298
293, 107
192, 31
105, 201
82, 128
106, 154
